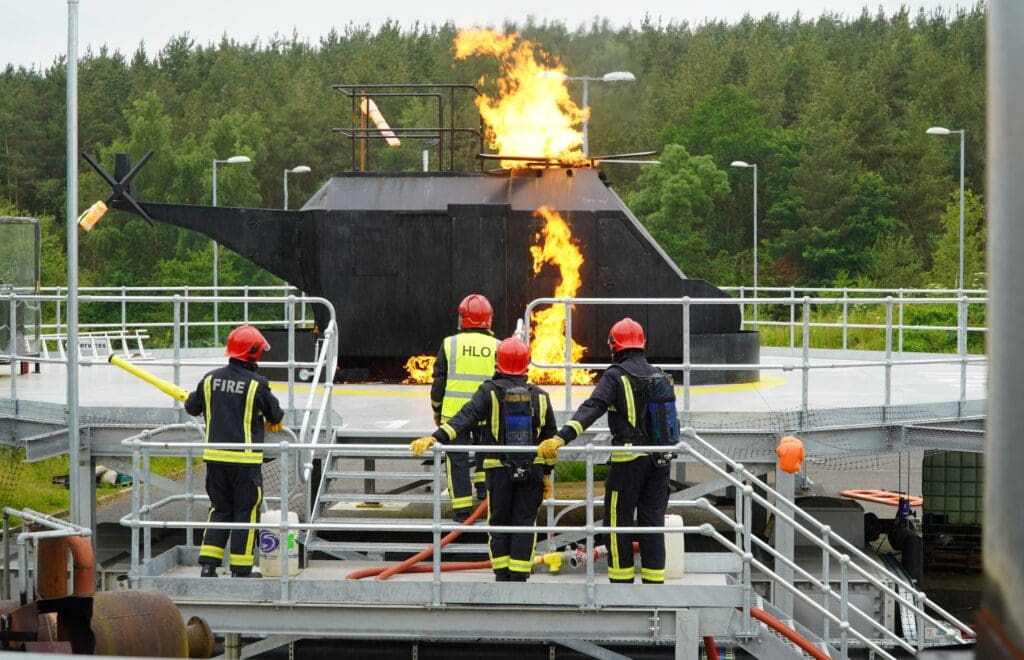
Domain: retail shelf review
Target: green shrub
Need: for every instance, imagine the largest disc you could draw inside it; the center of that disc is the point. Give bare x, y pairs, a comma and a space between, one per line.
577, 471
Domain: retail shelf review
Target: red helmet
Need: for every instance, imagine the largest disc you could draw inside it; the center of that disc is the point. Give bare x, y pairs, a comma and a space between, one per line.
475, 311
626, 333
246, 343
513, 356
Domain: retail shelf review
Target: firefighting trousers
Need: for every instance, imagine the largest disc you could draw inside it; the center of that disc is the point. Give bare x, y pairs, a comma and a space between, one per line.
513, 503
236, 492
460, 482
636, 495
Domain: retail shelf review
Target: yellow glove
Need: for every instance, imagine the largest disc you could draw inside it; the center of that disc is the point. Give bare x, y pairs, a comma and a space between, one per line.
547, 486
549, 448
271, 427
420, 445
437, 419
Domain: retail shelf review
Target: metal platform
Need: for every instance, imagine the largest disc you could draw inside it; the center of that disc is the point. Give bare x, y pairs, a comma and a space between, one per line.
845, 406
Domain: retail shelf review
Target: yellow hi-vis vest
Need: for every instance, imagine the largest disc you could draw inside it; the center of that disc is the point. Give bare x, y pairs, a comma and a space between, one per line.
470, 357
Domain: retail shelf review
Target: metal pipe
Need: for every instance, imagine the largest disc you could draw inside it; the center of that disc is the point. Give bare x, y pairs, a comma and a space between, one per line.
177, 344
961, 347
80, 484
568, 354
888, 356
5, 587
686, 359
283, 535
591, 592
13, 344
1002, 615
805, 362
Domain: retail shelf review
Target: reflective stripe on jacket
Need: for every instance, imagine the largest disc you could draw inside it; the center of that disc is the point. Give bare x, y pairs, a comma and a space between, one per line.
469, 357
486, 409
235, 401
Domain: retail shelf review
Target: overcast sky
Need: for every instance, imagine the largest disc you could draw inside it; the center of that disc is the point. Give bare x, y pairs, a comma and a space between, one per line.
34, 32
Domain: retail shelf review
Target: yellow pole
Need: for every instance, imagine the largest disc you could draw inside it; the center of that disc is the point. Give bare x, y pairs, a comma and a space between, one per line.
166, 387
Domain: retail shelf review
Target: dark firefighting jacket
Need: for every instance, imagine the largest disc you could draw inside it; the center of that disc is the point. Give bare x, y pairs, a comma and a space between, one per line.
235, 401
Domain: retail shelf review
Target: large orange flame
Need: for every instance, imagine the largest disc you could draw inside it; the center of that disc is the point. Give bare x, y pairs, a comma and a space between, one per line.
547, 325
532, 113
420, 369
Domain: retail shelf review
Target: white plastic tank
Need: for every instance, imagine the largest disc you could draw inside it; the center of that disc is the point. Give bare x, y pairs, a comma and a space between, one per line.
270, 542
673, 548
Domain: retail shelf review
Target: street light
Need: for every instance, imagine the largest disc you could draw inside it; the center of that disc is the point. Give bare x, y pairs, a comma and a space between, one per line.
743, 163
939, 130
611, 76
298, 169
234, 160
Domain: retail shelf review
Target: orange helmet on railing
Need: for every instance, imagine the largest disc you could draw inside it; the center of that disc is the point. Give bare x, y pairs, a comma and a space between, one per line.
246, 343
626, 333
475, 311
513, 356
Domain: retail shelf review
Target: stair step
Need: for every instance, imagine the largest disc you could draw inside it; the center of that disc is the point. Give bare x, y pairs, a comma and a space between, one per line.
376, 475
404, 498
340, 517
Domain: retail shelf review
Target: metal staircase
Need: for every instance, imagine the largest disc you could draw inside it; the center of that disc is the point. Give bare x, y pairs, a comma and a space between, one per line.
337, 500
767, 642
924, 623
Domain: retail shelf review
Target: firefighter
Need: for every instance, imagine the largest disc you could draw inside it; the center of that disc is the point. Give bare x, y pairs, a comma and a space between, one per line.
513, 412
238, 406
465, 360
637, 486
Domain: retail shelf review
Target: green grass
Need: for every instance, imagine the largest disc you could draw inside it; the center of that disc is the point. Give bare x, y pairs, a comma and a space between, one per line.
34, 487
874, 339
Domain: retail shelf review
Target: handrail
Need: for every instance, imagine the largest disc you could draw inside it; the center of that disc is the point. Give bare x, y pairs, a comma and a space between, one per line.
326, 360
140, 518
824, 532
805, 366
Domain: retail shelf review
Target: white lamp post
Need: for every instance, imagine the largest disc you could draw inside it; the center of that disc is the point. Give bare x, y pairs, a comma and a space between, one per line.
938, 130
741, 163
612, 76
298, 169
234, 160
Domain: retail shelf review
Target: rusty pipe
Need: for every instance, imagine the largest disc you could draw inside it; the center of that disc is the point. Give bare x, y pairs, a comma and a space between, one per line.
52, 575
84, 581
127, 623
52, 567
200, 638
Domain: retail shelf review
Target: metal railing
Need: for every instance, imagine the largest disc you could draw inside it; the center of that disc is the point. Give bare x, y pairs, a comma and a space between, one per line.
806, 304
192, 297
752, 491
293, 315
852, 296
52, 528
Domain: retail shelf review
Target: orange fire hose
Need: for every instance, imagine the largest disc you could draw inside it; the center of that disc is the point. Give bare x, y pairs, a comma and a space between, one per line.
383, 573
880, 496
711, 648
789, 633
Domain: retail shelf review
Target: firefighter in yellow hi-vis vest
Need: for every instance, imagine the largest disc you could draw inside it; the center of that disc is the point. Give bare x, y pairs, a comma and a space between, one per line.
238, 406
464, 362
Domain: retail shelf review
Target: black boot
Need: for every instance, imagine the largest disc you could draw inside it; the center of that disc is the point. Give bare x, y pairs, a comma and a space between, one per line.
516, 576
209, 570
461, 515
501, 575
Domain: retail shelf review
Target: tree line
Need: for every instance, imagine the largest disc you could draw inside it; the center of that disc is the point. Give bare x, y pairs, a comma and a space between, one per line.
851, 190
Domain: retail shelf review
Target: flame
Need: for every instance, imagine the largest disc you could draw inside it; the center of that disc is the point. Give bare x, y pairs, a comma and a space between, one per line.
547, 325
532, 114
420, 369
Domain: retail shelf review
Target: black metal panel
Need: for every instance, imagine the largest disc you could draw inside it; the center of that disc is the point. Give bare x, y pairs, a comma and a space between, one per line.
396, 253
477, 259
